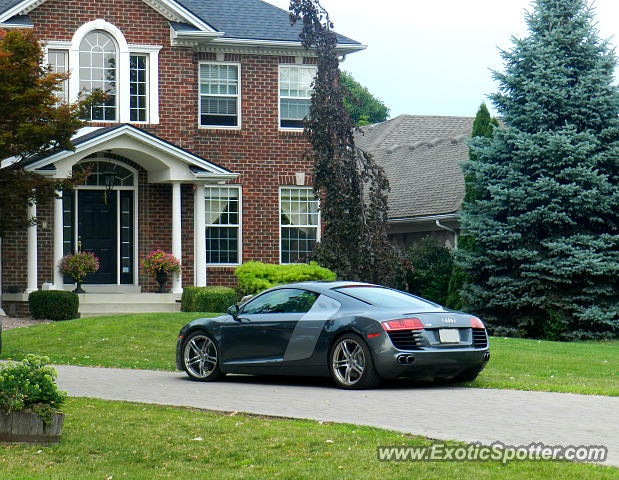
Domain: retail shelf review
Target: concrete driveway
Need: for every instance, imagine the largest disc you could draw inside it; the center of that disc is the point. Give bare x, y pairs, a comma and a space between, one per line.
451, 413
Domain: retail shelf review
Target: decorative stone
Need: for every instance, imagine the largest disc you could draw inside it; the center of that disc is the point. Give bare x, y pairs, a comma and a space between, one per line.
27, 427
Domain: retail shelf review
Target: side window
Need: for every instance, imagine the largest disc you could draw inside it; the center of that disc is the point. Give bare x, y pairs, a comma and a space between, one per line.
288, 300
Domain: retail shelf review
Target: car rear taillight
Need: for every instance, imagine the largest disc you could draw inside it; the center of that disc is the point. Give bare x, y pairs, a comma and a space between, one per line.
403, 324
476, 323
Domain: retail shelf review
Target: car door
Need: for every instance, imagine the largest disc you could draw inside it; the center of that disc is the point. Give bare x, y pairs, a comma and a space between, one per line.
261, 331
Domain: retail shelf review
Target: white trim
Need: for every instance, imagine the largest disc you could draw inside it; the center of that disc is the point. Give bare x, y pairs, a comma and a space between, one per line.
169, 149
279, 218
122, 85
58, 240
425, 218
238, 98
152, 54
239, 226
279, 96
32, 260
199, 271
177, 243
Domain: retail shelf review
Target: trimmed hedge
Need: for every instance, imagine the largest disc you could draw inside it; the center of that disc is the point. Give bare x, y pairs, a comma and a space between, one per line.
207, 299
254, 277
54, 304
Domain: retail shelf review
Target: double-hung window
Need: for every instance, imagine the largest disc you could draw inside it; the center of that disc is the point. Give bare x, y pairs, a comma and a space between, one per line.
219, 94
223, 224
299, 221
295, 94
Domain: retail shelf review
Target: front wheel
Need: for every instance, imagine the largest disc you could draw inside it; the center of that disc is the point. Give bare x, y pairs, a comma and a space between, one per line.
351, 363
201, 358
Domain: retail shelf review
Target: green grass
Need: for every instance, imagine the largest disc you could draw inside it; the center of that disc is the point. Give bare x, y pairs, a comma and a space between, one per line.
104, 440
148, 341
577, 367
145, 340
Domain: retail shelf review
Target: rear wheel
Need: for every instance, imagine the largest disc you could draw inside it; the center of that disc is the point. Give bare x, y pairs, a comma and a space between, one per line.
201, 358
351, 364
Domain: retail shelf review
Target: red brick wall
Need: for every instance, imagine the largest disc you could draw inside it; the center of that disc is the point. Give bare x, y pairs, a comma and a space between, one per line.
264, 157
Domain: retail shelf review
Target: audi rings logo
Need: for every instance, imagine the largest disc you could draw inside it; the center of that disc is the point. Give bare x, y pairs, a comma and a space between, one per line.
448, 320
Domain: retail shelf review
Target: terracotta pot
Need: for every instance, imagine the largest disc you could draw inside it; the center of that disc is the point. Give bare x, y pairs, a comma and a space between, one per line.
26, 426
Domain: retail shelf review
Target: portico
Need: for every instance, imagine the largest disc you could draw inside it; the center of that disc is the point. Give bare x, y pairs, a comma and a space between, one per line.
138, 207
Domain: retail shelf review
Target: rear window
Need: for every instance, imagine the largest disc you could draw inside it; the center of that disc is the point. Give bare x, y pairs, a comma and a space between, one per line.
387, 298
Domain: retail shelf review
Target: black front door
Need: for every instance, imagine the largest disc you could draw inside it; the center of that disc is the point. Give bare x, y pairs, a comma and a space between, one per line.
97, 228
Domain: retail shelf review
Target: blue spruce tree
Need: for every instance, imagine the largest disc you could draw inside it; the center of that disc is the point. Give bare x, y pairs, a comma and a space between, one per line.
545, 222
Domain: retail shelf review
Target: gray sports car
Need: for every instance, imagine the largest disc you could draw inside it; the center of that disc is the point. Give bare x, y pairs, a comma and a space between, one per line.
357, 333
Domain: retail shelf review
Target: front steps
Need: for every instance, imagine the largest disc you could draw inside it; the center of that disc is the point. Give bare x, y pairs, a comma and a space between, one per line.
97, 304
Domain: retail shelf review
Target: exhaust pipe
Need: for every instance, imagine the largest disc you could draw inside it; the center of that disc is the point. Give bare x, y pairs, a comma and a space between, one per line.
486, 356
406, 359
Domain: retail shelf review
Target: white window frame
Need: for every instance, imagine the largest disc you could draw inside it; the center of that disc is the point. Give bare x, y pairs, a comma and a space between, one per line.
239, 226
59, 47
279, 219
279, 96
238, 98
122, 84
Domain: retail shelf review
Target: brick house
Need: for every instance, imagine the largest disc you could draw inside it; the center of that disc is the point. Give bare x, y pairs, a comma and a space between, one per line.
198, 151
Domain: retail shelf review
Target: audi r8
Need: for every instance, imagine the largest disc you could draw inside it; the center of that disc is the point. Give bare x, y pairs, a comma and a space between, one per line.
357, 333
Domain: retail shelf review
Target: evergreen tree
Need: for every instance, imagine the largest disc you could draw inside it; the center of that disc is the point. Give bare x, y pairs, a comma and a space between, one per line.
483, 126
545, 225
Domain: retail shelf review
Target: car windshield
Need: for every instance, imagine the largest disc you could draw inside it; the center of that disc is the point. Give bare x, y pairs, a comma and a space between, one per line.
387, 298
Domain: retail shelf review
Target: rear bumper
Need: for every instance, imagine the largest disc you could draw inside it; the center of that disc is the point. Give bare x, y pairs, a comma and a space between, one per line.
427, 363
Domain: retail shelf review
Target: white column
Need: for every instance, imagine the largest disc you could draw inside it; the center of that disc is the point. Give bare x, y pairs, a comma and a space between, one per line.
58, 238
199, 263
176, 234
32, 250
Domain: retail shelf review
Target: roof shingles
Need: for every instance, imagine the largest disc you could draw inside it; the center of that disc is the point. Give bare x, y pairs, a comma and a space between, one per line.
421, 156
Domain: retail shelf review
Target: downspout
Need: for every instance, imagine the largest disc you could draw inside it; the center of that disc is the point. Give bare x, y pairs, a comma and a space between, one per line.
440, 225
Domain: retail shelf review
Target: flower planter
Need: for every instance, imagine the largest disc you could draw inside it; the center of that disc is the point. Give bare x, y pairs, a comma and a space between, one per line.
26, 426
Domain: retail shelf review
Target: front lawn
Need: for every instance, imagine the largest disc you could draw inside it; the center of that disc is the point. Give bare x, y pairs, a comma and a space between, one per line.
115, 440
148, 341
141, 340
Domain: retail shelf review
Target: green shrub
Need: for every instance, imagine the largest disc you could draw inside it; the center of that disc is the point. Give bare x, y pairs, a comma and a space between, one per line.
207, 299
30, 384
187, 299
431, 270
54, 304
254, 277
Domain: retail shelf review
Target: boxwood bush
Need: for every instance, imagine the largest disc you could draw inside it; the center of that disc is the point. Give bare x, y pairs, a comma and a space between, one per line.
54, 304
254, 277
207, 299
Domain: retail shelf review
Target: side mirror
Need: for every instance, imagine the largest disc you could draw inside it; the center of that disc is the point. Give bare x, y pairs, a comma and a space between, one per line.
233, 310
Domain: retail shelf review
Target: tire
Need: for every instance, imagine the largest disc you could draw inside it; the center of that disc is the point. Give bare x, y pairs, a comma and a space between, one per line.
201, 357
351, 364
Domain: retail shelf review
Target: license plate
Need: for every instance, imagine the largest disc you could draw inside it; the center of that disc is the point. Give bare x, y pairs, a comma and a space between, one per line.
449, 335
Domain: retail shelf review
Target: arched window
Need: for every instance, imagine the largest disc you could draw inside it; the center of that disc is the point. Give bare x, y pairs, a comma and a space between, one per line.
123, 177
98, 61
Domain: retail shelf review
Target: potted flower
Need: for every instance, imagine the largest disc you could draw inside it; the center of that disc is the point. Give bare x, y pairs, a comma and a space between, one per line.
161, 263
78, 266
29, 401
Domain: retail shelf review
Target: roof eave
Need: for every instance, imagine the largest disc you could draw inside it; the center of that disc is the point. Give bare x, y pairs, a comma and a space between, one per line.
425, 218
217, 40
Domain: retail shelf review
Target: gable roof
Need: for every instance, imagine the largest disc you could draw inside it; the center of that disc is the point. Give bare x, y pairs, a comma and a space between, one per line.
421, 156
165, 153
231, 19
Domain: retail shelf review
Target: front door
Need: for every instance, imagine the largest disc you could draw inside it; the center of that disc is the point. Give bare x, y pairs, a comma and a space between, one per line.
97, 232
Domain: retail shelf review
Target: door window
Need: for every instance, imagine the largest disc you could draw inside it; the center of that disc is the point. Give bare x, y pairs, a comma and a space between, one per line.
285, 300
